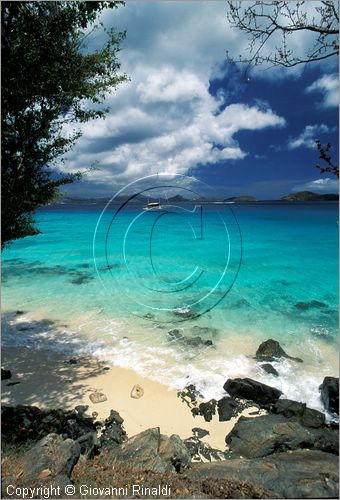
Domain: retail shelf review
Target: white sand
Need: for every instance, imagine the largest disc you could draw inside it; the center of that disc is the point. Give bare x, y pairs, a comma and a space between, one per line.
48, 380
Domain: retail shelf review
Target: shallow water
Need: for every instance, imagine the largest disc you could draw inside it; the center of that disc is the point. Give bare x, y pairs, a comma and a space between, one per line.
257, 271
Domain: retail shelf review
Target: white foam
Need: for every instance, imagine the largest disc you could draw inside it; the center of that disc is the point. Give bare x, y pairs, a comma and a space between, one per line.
165, 363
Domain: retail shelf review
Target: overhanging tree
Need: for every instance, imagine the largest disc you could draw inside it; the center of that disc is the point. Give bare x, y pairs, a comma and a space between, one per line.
49, 77
270, 26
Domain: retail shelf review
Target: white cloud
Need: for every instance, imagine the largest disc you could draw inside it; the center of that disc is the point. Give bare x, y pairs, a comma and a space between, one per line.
165, 119
308, 136
324, 185
171, 137
328, 86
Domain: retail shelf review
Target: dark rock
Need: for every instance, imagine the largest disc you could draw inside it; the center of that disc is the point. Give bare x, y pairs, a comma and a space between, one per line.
176, 334
208, 409
302, 306
149, 316
318, 304
21, 423
313, 418
264, 435
200, 433
270, 350
197, 342
199, 449
89, 444
5, 374
268, 368
73, 361
81, 409
239, 304
306, 416
150, 450
189, 395
330, 394
52, 458
227, 408
113, 433
297, 474
251, 389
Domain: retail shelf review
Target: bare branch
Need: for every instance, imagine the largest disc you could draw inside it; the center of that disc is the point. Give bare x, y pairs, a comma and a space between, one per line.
260, 20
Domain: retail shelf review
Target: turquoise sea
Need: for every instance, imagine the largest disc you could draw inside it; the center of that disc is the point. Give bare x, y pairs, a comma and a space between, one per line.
114, 285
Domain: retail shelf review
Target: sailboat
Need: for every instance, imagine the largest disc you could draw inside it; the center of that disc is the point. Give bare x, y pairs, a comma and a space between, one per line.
153, 205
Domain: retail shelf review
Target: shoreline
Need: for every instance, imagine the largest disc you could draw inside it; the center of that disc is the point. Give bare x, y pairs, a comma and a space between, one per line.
36, 332
48, 380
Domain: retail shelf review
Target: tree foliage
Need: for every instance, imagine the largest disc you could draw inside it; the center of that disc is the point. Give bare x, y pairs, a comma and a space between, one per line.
49, 77
271, 24
328, 165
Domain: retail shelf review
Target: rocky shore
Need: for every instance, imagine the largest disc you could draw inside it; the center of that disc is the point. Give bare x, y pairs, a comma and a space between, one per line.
282, 449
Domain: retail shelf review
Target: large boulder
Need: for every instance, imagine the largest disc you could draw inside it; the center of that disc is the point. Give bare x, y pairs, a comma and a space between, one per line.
150, 450
330, 394
227, 408
297, 474
248, 388
50, 462
264, 435
307, 416
270, 350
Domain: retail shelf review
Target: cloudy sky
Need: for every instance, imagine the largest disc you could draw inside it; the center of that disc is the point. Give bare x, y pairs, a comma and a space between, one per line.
185, 110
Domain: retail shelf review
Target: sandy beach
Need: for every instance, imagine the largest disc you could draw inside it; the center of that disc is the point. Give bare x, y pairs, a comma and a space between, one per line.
49, 380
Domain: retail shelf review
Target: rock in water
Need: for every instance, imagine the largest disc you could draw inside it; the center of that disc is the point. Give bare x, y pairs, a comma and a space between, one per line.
268, 368
330, 394
270, 350
251, 389
5, 374
97, 397
184, 312
137, 391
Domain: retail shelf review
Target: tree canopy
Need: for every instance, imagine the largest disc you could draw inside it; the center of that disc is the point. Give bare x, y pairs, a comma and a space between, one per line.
49, 77
271, 24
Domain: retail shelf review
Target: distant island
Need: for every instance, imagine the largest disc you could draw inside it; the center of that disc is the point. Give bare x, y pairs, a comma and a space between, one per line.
301, 196
310, 196
241, 199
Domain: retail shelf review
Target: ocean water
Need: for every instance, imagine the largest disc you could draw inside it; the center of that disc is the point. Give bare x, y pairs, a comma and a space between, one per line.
114, 285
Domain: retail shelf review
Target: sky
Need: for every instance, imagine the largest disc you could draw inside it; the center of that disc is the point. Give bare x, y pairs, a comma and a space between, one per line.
187, 110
